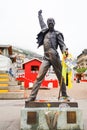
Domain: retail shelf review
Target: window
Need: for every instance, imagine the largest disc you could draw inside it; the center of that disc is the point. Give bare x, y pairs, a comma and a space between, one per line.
34, 69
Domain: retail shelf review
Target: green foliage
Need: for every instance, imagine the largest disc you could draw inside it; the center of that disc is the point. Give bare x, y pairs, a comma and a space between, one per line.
81, 70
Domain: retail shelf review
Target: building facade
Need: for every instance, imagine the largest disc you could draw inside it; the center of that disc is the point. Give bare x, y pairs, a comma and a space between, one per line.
82, 59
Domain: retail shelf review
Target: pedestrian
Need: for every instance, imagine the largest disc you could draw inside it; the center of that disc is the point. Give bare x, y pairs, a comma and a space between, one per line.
11, 72
50, 39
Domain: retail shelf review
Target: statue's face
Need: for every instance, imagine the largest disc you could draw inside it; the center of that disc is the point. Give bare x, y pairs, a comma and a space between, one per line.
51, 26
50, 23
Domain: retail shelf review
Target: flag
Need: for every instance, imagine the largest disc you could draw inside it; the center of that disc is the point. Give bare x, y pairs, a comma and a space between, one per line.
67, 70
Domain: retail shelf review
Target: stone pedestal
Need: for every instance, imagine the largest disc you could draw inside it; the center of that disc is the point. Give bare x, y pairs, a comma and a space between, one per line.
51, 116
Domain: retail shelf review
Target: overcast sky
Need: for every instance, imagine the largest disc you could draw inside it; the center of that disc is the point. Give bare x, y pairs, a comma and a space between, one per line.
19, 22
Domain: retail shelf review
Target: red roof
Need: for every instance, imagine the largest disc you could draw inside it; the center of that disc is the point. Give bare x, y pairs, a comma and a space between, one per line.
31, 61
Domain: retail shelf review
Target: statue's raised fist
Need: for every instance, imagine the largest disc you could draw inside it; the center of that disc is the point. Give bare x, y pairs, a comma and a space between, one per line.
39, 12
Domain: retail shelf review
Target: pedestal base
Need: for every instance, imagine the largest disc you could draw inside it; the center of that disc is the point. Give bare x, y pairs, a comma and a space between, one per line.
51, 117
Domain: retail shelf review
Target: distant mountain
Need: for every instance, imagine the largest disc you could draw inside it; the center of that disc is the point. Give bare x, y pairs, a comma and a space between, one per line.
29, 54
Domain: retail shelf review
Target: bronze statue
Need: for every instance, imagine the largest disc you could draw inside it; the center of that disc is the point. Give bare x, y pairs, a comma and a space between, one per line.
50, 39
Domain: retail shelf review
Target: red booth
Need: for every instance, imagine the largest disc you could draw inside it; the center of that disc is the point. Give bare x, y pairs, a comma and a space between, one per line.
31, 69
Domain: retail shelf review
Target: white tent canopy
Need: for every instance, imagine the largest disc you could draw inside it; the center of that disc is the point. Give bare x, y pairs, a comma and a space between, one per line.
5, 63
85, 72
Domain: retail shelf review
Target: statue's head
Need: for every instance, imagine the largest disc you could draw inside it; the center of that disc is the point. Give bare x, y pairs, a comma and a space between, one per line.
50, 21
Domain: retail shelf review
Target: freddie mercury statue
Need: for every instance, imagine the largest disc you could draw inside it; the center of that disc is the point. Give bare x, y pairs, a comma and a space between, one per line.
50, 39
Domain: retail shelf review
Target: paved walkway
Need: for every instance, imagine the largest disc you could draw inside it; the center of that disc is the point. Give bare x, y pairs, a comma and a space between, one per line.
10, 109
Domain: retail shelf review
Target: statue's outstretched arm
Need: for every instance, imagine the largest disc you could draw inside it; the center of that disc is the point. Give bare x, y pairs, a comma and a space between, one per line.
61, 42
41, 21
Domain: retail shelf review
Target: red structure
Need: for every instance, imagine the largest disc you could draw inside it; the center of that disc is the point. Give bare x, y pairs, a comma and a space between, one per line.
31, 69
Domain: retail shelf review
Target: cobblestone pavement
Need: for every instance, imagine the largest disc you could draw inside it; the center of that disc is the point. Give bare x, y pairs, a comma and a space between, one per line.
10, 109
